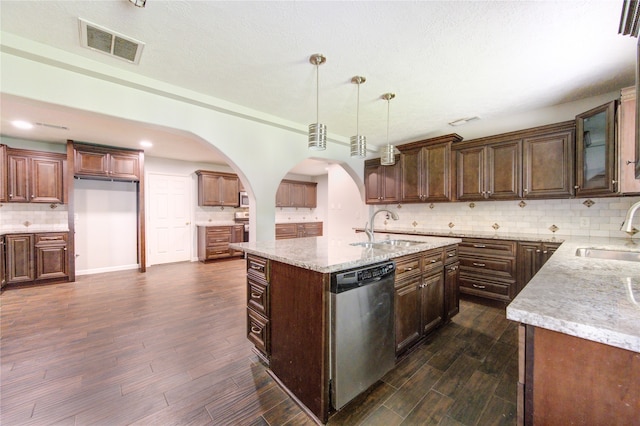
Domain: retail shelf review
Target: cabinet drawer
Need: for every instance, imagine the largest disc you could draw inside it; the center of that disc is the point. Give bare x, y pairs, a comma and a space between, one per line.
258, 296
450, 254
218, 240
258, 330
258, 267
493, 290
217, 252
488, 266
433, 261
407, 266
219, 232
51, 238
494, 247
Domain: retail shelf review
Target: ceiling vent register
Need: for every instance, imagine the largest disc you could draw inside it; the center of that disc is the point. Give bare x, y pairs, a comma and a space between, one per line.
104, 40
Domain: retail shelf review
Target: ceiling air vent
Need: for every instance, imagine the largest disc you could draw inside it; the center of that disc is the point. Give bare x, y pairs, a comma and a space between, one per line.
110, 42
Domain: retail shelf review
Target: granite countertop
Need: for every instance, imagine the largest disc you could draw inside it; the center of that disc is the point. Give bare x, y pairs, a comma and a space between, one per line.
33, 229
546, 237
590, 298
326, 255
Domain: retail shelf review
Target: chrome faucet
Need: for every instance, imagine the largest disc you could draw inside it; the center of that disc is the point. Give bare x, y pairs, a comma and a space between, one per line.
627, 225
368, 229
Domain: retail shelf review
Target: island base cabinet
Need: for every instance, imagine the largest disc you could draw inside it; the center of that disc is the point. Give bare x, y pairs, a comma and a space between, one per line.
568, 380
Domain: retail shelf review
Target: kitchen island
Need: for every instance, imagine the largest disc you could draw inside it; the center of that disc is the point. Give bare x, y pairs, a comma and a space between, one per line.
289, 305
580, 337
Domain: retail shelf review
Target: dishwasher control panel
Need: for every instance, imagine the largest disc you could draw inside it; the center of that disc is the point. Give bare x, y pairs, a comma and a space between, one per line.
346, 280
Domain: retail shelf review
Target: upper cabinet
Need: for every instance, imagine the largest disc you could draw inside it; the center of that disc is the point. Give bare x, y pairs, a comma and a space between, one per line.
381, 183
489, 170
34, 176
627, 143
3, 173
425, 170
293, 193
595, 152
101, 162
217, 189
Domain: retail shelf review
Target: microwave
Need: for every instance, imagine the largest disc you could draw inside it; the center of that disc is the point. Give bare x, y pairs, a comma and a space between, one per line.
243, 199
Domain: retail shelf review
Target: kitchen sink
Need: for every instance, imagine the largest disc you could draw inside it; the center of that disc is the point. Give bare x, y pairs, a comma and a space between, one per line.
631, 256
386, 243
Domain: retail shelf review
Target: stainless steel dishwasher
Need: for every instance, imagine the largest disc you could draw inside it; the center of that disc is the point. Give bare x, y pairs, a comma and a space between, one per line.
362, 329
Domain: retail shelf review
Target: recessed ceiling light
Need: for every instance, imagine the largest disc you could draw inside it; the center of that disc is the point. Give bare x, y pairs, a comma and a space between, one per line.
146, 144
21, 124
462, 121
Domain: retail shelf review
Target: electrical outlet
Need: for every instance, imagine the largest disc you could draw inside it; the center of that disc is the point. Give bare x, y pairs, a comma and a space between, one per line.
584, 222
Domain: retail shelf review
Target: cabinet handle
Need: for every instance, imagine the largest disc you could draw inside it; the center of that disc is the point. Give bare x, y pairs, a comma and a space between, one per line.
482, 265
433, 261
544, 252
526, 190
613, 182
408, 268
255, 295
257, 268
576, 187
451, 255
33, 196
538, 251
255, 330
10, 195
481, 287
479, 246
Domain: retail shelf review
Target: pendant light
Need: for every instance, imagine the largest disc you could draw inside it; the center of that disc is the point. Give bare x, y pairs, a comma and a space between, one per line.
358, 143
387, 152
317, 130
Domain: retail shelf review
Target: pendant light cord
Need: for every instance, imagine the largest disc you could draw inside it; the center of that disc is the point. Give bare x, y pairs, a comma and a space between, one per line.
358, 112
317, 92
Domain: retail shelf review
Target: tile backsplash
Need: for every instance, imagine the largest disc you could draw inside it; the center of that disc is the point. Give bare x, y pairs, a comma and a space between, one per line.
27, 217
594, 217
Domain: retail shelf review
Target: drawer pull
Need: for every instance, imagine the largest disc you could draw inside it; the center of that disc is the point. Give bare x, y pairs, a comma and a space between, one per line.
481, 265
451, 254
257, 268
256, 330
408, 268
255, 295
481, 287
479, 246
433, 260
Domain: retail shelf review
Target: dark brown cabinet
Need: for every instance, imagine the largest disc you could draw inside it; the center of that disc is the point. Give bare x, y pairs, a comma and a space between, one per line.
531, 257
101, 162
419, 297
3, 277
258, 305
35, 177
595, 152
451, 282
3, 173
488, 268
489, 170
19, 258
298, 230
292, 193
51, 260
426, 170
381, 183
213, 241
217, 189
547, 170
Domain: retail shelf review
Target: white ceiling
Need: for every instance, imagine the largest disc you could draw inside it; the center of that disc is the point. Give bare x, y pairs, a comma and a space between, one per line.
443, 60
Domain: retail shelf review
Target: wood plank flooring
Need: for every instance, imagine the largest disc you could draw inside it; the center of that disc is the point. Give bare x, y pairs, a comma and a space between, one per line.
168, 347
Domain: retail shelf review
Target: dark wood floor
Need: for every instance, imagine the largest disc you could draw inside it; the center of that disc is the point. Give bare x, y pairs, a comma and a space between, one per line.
168, 347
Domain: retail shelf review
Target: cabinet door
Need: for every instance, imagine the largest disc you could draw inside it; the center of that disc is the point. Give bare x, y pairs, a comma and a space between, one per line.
373, 177
283, 195
527, 265
595, 151
3, 277
229, 191
391, 182
46, 183
311, 195
297, 195
286, 230
548, 166
407, 313
18, 178
432, 295
436, 173
91, 163
51, 261
3, 173
411, 165
208, 190
504, 170
124, 165
19, 254
471, 173
451, 290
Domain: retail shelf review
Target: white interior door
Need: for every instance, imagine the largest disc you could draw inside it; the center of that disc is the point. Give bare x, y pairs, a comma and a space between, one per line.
169, 220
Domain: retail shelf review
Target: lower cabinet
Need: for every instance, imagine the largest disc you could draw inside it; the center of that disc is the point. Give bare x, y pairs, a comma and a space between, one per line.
451, 282
258, 305
213, 241
3, 276
488, 268
36, 257
419, 297
298, 230
531, 257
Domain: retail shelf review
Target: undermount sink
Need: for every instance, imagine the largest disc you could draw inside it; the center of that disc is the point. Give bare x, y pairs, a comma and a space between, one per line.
631, 256
387, 243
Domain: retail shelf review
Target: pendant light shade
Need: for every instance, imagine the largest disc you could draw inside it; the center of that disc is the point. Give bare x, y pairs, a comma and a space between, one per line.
387, 152
317, 130
358, 143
